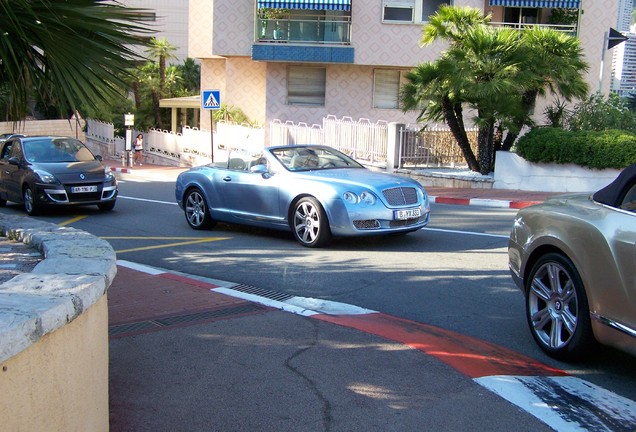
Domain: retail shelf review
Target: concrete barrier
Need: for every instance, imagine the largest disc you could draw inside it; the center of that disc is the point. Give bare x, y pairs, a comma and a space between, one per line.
54, 331
514, 172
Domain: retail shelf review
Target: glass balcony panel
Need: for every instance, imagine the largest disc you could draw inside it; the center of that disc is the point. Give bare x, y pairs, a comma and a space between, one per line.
312, 31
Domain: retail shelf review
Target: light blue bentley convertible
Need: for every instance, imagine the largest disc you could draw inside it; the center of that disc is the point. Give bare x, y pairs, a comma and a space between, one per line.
315, 191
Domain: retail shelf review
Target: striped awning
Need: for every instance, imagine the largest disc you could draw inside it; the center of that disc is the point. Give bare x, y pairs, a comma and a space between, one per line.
552, 4
344, 5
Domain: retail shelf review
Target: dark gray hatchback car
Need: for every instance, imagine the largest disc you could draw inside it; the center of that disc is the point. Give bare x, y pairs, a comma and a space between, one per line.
42, 171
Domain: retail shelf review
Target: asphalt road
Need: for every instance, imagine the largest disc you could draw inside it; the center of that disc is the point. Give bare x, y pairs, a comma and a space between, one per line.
452, 275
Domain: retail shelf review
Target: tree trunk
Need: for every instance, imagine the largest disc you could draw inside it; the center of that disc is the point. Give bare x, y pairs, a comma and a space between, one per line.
486, 147
455, 121
528, 101
137, 94
509, 141
162, 77
486, 143
155, 105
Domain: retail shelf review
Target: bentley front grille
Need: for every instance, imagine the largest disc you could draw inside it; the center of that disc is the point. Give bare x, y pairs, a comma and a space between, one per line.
400, 196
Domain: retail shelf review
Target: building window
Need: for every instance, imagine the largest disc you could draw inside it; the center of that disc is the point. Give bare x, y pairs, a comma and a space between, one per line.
386, 88
306, 85
522, 15
409, 11
398, 11
429, 7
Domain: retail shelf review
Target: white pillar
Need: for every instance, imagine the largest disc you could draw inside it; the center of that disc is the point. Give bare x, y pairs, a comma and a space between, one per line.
393, 146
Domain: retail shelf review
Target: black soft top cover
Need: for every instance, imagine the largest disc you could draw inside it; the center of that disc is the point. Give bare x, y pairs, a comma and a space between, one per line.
614, 193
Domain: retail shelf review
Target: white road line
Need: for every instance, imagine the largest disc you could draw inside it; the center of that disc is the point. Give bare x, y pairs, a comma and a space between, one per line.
466, 232
146, 200
566, 403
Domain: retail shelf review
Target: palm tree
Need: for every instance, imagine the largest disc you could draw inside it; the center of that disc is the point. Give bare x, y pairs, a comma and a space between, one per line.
451, 23
149, 79
162, 51
480, 71
190, 73
497, 72
439, 98
554, 62
494, 60
76, 50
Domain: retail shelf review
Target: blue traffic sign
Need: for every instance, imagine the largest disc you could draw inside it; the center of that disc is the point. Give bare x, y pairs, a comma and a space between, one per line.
211, 99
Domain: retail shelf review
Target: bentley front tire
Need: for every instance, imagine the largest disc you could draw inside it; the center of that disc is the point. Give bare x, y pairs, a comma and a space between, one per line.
310, 224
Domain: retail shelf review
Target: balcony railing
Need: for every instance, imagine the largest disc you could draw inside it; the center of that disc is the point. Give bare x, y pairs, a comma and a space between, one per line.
566, 28
308, 31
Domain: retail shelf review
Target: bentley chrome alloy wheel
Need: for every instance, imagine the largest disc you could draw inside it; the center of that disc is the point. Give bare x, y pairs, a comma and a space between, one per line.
196, 211
310, 224
557, 309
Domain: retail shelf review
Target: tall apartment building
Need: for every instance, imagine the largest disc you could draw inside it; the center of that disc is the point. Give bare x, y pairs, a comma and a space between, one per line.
624, 55
346, 57
169, 20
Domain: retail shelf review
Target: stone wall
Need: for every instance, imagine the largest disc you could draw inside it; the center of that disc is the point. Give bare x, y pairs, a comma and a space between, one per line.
54, 331
46, 127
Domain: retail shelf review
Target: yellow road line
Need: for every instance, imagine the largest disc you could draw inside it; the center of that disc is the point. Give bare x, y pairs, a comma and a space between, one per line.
203, 240
157, 238
70, 221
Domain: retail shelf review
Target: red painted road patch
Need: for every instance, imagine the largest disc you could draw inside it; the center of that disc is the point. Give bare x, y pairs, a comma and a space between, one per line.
470, 356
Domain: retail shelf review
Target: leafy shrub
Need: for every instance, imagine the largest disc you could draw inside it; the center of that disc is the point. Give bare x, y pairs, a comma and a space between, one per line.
599, 113
593, 149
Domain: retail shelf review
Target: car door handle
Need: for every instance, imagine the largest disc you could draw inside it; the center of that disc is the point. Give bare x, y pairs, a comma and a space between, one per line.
227, 178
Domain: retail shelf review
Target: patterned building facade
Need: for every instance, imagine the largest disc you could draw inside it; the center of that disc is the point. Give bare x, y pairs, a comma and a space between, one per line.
356, 69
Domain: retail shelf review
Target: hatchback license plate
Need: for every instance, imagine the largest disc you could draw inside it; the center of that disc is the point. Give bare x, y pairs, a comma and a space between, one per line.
81, 189
408, 214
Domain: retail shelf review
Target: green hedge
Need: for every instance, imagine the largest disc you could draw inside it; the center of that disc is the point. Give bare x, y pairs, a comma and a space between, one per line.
591, 149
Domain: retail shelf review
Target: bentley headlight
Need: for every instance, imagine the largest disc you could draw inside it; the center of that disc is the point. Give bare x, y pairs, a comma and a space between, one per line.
351, 198
45, 177
368, 198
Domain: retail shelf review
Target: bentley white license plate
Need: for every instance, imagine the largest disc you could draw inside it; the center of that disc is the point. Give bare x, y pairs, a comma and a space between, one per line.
408, 213
80, 189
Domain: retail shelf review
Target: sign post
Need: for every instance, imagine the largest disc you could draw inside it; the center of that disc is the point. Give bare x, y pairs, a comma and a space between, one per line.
210, 101
610, 40
129, 122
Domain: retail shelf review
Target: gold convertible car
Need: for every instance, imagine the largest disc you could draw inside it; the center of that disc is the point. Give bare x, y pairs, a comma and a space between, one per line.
574, 258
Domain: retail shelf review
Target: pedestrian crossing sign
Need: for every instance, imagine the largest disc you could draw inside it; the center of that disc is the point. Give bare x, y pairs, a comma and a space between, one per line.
211, 99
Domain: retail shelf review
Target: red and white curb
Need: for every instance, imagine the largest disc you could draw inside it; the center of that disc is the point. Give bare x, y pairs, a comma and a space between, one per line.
563, 402
121, 170
484, 202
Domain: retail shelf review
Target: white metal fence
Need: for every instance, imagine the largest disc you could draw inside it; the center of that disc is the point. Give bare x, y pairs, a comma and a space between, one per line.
361, 139
433, 146
192, 144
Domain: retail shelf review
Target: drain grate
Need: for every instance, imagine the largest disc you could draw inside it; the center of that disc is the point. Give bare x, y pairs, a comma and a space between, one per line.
272, 295
200, 316
131, 327
157, 324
